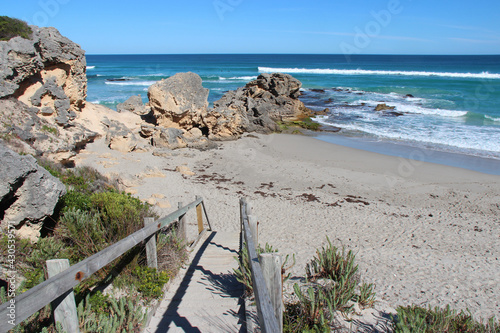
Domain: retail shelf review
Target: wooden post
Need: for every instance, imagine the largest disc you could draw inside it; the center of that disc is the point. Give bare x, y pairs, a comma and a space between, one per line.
254, 228
199, 214
271, 269
151, 246
64, 307
182, 224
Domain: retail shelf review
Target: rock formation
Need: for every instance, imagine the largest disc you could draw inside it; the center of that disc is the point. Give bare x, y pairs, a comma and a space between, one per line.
28, 192
43, 86
180, 102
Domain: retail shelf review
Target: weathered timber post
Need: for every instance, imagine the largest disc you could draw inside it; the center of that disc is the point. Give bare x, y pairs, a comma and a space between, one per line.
182, 224
151, 246
252, 222
199, 214
271, 269
64, 307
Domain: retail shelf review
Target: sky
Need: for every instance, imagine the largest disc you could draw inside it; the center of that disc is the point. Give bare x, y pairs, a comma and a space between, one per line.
270, 26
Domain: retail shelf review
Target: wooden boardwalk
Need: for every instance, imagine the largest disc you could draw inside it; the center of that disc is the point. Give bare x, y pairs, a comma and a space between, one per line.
205, 296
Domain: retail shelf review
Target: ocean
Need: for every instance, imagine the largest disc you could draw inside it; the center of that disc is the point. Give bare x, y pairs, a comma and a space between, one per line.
447, 107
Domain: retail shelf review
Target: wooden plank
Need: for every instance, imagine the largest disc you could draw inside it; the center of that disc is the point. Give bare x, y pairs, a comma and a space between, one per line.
37, 297
151, 252
200, 218
64, 307
181, 231
265, 310
271, 269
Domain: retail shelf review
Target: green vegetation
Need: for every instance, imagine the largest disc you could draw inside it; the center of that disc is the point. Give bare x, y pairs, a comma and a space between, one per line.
417, 319
93, 215
11, 27
49, 129
306, 123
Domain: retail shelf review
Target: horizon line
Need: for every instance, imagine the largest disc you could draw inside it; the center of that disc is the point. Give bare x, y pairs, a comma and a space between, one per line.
326, 54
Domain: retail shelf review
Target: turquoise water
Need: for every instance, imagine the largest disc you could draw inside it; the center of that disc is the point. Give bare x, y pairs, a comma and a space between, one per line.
443, 103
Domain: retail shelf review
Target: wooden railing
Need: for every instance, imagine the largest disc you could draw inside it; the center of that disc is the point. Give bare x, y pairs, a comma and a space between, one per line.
60, 285
265, 272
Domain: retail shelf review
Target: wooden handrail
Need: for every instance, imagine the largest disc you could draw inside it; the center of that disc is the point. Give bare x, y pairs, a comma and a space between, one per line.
37, 297
267, 318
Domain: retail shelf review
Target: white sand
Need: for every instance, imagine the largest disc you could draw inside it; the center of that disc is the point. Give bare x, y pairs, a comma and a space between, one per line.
425, 234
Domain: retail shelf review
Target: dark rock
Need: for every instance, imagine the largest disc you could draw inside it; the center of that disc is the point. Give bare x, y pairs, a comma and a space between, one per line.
318, 90
28, 192
409, 95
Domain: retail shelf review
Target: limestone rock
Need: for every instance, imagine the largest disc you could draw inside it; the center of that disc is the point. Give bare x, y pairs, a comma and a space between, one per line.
184, 170
178, 101
171, 138
134, 104
256, 107
40, 135
120, 137
28, 192
26, 65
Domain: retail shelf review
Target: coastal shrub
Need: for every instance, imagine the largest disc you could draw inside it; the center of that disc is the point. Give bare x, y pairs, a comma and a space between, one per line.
12, 27
101, 313
418, 319
171, 252
333, 263
150, 282
367, 296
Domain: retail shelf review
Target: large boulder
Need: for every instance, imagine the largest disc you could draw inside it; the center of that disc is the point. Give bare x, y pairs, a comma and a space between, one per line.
28, 192
179, 101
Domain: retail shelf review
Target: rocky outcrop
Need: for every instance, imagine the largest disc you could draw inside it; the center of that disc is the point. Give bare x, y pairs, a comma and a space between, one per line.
180, 102
28, 192
24, 128
33, 66
43, 86
262, 102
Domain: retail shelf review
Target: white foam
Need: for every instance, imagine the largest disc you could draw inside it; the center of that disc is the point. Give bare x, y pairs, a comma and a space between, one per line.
479, 140
130, 83
90, 67
483, 75
492, 118
238, 78
408, 108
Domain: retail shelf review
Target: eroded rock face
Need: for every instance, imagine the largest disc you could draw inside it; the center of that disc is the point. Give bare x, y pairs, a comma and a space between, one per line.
35, 134
179, 101
48, 59
28, 192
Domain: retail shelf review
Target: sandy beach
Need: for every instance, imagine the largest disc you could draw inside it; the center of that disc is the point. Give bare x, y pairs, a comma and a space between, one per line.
425, 234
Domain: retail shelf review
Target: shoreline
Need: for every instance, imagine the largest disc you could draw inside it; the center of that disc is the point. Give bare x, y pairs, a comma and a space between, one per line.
418, 154
428, 237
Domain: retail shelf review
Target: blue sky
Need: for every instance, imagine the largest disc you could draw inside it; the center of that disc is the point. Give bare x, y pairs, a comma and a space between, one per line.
270, 26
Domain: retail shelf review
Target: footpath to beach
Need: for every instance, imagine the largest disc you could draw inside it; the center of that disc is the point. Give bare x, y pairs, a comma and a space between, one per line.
205, 296
424, 234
